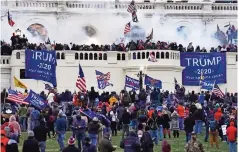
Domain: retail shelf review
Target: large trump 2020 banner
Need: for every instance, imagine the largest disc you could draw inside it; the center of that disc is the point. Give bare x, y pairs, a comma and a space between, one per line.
211, 65
41, 65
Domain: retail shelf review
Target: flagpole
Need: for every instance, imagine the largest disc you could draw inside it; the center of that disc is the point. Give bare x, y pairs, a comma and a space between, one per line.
212, 90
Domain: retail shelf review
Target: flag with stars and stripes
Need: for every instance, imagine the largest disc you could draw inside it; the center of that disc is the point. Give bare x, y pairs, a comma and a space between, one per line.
16, 97
103, 79
132, 7
127, 28
81, 82
217, 91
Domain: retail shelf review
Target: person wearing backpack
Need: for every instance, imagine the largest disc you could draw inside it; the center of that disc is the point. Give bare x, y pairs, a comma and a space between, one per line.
146, 141
126, 100
35, 116
152, 123
213, 133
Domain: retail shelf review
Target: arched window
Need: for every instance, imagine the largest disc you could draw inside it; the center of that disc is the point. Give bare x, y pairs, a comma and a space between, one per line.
86, 56
18, 55
123, 56
157, 55
104, 56
147, 55
3, 61
143, 55
134, 55
76, 56
118, 56
95, 56
138, 55
62, 56
7, 61
90, 56
167, 55
100, 56
172, 55
57, 55
81, 56
162, 55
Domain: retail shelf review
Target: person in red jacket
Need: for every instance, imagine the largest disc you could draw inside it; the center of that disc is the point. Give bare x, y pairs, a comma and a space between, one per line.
4, 141
218, 114
231, 133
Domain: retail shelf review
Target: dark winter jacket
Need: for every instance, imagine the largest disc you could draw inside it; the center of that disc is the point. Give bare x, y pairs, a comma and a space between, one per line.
30, 145
146, 142
12, 146
40, 132
89, 148
188, 124
93, 127
131, 143
126, 118
71, 148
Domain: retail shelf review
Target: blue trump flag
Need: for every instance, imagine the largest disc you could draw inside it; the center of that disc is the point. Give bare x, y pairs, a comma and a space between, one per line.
153, 82
35, 100
211, 65
132, 83
103, 79
41, 65
207, 85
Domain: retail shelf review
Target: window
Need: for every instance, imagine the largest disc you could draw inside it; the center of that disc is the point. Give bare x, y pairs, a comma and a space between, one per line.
157, 55
62, 56
76, 56
138, 55
104, 56
3, 61
81, 56
162, 55
95, 56
57, 55
90, 56
134, 56
18, 55
147, 55
22, 74
118, 56
123, 56
7, 61
100, 56
86, 56
143, 55
167, 55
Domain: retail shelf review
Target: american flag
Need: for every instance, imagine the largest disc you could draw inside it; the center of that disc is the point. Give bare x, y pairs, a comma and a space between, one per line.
81, 82
103, 79
10, 21
16, 97
132, 7
127, 28
152, 58
217, 91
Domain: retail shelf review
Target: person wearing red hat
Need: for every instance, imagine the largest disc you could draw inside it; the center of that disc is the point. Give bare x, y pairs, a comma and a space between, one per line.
231, 133
71, 146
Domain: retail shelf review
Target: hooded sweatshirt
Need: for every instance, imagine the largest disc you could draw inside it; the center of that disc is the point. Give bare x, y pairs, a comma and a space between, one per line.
15, 125
231, 132
218, 114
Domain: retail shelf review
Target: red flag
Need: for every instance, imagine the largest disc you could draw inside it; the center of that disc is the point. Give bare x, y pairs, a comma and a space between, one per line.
10, 21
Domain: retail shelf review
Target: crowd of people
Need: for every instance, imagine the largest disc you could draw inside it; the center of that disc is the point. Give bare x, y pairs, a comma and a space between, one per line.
22, 43
144, 119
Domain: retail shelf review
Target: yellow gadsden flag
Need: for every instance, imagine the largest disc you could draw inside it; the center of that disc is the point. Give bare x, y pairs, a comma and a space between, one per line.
18, 83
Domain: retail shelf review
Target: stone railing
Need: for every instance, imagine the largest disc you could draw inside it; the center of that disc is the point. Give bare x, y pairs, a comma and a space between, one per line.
119, 5
5, 61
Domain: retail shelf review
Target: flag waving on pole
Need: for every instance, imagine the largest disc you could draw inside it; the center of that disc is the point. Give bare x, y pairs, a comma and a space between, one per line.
18, 83
132, 9
16, 97
10, 21
152, 58
127, 28
103, 79
81, 82
217, 91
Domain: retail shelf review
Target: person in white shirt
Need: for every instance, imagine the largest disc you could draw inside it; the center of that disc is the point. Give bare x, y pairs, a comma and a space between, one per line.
114, 120
50, 98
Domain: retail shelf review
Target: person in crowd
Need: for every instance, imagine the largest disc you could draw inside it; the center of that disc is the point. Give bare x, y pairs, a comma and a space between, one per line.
166, 147
194, 145
188, 126
198, 117
105, 144
93, 130
131, 143
213, 133
22, 114
146, 141
4, 141
166, 125
80, 126
30, 144
114, 120
40, 133
60, 128
154, 98
152, 123
126, 120
16, 127
88, 146
71, 146
12, 144
126, 100
231, 133
181, 113
175, 124
50, 120
218, 115
35, 117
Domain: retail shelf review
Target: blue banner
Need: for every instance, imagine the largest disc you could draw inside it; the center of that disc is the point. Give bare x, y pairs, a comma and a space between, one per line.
41, 65
35, 100
207, 85
153, 82
103, 79
211, 65
132, 83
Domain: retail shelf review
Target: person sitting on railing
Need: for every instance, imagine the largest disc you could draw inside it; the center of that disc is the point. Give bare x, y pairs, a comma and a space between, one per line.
190, 47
